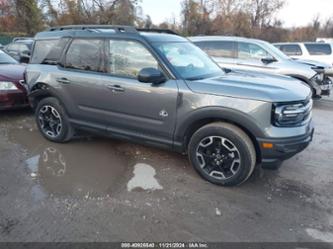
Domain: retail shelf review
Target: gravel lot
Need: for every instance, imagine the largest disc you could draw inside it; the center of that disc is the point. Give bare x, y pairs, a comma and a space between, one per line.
93, 189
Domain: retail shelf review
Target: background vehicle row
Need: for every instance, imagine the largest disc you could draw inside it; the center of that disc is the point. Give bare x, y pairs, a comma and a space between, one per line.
260, 56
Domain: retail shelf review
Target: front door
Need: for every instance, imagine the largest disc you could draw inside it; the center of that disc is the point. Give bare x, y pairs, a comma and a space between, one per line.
250, 57
133, 107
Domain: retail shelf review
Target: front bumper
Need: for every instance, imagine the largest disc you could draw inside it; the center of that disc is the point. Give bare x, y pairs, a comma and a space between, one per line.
284, 149
13, 99
324, 87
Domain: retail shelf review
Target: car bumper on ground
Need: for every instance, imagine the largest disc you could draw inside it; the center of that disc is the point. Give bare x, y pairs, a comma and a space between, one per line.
283, 149
13, 99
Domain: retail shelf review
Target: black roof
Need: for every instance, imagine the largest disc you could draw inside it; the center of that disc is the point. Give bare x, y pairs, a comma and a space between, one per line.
99, 31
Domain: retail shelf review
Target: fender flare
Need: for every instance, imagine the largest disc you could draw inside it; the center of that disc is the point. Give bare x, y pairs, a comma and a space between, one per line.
40, 90
204, 116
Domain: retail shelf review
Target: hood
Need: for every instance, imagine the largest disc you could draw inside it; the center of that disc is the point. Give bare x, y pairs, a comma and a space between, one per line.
313, 63
12, 72
252, 85
319, 67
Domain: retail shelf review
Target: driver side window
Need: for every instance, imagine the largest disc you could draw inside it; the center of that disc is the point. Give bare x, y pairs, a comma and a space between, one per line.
249, 51
128, 58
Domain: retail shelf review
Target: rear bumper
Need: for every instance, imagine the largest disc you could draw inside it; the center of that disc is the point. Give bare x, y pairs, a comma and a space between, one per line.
13, 100
284, 149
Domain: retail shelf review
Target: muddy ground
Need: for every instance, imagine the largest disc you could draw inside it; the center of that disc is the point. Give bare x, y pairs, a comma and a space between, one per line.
99, 189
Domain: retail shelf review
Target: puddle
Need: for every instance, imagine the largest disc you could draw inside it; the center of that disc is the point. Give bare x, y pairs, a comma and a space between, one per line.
144, 178
89, 167
319, 235
32, 164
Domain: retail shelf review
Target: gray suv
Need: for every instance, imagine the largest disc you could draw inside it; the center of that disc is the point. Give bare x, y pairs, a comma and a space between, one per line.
159, 89
256, 55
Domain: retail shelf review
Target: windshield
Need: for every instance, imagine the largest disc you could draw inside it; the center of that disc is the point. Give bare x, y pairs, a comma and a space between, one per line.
6, 59
188, 60
276, 52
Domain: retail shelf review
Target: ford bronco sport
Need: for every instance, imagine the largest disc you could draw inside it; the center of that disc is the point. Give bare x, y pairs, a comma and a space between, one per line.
159, 89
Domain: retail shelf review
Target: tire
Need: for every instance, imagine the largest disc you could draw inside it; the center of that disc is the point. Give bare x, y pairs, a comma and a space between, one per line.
52, 121
229, 142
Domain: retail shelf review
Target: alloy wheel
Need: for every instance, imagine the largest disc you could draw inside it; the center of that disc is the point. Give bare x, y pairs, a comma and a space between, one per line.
50, 121
218, 157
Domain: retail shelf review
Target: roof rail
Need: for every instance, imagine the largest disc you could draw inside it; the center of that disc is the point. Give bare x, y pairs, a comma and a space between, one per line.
22, 38
166, 31
117, 28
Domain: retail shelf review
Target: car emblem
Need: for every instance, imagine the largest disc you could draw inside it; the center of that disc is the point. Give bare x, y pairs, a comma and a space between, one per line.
164, 113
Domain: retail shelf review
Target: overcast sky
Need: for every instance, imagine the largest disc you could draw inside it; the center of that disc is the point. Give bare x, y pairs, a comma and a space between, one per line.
295, 12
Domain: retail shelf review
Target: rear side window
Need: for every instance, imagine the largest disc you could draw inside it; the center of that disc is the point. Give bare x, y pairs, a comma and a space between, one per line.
226, 49
48, 51
291, 49
318, 49
128, 58
86, 54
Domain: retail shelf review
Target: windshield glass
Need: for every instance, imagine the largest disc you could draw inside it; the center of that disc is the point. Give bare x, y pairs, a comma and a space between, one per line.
6, 59
276, 52
188, 60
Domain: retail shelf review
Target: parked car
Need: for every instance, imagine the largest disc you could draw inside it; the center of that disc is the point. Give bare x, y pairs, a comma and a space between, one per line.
260, 56
160, 89
322, 52
12, 91
20, 49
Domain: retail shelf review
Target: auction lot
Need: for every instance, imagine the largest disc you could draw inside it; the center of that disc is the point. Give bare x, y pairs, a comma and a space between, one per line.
100, 189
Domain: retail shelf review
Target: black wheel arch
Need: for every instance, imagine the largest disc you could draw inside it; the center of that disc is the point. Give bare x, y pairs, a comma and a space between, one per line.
204, 116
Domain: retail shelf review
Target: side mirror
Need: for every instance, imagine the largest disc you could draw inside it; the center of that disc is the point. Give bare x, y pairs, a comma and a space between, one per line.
151, 75
268, 60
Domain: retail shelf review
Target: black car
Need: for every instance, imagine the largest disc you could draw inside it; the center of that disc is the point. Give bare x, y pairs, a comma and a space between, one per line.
20, 48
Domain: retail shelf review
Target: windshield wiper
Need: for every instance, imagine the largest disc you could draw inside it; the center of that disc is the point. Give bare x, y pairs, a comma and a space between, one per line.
195, 78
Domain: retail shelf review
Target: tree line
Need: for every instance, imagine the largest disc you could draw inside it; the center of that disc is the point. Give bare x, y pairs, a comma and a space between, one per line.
249, 18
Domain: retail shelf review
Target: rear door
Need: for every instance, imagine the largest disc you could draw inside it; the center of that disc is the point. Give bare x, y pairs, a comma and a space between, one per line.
250, 57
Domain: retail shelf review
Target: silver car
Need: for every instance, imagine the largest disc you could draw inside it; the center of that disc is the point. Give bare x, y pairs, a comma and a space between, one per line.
260, 56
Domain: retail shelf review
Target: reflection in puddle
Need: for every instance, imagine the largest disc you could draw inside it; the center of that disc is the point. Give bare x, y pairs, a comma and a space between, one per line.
144, 178
54, 162
93, 168
87, 168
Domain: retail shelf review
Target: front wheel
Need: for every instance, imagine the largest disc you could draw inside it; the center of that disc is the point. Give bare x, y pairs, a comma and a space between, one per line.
222, 153
52, 121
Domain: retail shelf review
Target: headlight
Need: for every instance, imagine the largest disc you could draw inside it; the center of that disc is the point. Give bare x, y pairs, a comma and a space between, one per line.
7, 85
293, 114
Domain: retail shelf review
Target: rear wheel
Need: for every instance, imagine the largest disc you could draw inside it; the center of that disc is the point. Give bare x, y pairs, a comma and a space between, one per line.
222, 154
52, 121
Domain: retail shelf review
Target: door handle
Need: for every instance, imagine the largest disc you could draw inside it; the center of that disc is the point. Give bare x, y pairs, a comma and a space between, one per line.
115, 88
63, 81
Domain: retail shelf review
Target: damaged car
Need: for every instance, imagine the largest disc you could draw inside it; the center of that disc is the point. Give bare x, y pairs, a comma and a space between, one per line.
260, 56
